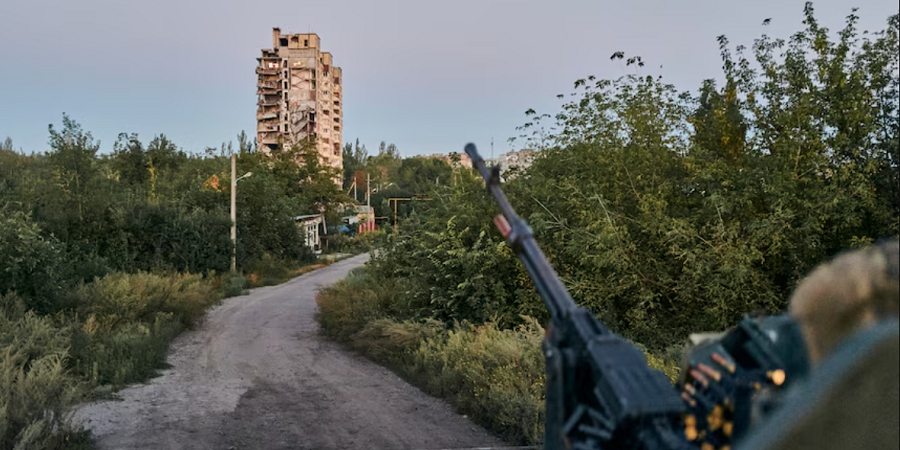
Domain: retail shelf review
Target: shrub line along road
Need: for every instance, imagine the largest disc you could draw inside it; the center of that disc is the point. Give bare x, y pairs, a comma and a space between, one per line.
257, 375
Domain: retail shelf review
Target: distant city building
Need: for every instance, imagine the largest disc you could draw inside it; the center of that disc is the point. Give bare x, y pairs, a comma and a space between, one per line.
521, 159
464, 159
299, 96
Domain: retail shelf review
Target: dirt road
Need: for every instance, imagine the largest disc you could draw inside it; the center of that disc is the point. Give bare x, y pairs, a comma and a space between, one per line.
257, 375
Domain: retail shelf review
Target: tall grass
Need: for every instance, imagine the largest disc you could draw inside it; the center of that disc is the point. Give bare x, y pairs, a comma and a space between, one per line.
109, 332
494, 375
361, 243
271, 270
129, 320
36, 388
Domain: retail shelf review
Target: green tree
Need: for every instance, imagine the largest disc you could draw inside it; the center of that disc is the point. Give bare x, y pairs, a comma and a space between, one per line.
73, 162
355, 157
130, 159
667, 212
30, 264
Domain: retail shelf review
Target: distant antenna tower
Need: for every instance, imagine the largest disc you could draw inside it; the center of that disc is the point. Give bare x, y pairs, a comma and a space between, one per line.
492, 147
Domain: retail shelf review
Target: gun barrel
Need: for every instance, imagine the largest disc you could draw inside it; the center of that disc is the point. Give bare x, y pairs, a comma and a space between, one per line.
600, 392
520, 238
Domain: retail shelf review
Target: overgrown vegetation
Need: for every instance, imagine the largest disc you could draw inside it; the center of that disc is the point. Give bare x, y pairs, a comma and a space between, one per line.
109, 332
104, 259
664, 212
493, 374
390, 176
360, 243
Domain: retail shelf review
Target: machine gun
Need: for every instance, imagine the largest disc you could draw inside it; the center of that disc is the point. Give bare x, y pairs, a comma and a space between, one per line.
601, 394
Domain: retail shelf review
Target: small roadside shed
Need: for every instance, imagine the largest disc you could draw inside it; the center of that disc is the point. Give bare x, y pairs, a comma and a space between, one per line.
314, 228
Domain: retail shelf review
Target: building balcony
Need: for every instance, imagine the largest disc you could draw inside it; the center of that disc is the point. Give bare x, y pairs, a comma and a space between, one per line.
266, 109
266, 115
264, 71
268, 85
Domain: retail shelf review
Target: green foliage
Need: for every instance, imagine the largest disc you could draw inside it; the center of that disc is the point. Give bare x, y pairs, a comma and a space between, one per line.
360, 243
30, 264
155, 207
664, 213
132, 353
235, 285
420, 175
450, 265
126, 321
121, 298
667, 213
346, 307
35, 387
354, 158
279, 190
90, 250
494, 375
117, 332
270, 270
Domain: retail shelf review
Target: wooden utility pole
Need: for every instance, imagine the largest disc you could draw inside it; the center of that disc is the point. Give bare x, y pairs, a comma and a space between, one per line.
369, 217
233, 213
402, 199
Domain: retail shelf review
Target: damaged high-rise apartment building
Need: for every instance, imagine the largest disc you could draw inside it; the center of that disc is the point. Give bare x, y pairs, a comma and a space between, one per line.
299, 91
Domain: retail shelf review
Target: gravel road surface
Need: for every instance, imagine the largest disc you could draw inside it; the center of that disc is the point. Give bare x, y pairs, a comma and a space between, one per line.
257, 375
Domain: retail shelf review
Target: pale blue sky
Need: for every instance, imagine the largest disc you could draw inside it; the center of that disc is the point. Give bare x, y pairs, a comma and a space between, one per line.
428, 76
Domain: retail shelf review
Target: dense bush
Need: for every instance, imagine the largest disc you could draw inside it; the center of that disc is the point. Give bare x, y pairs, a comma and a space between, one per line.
664, 213
234, 285
494, 375
36, 388
159, 208
30, 264
129, 320
115, 330
90, 248
360, 243
121, 298
667, 213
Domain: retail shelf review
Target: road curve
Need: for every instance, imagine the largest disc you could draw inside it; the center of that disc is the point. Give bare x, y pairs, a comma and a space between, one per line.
257, 375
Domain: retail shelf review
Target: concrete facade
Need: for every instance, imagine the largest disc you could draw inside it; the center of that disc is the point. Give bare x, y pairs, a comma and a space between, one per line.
521, 159
299, 96
464, 160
